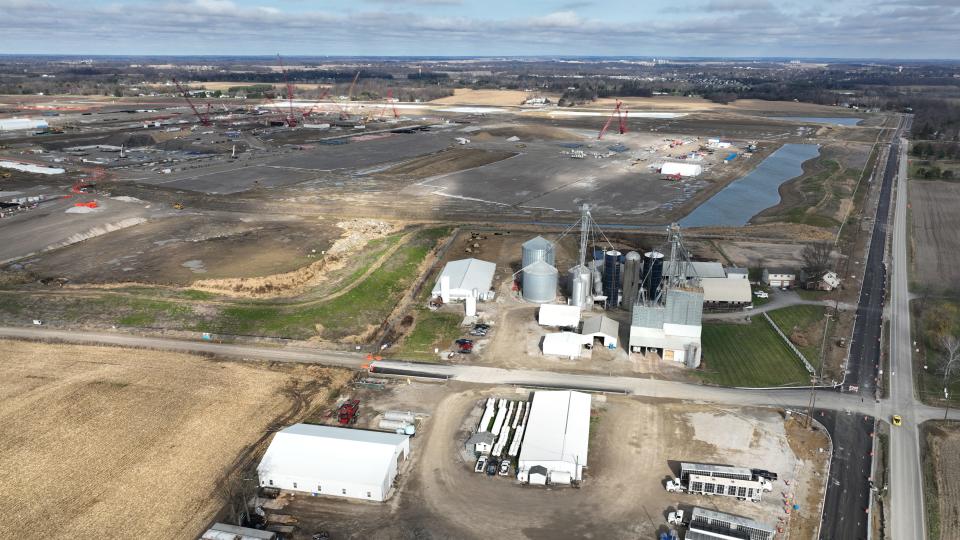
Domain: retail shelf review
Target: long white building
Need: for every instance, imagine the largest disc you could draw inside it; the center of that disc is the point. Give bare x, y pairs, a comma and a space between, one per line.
556, 438
341, 462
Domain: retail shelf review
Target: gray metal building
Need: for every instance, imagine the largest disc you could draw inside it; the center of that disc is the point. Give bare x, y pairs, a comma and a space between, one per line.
709, 525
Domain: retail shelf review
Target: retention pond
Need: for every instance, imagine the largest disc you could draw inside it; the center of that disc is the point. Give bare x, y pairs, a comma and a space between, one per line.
747, 196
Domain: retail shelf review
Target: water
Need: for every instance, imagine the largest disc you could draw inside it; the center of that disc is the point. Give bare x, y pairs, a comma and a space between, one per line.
844, 121
749, 195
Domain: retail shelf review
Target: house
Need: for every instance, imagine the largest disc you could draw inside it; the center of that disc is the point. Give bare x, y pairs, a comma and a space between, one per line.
826, 281
336, 461
779, 277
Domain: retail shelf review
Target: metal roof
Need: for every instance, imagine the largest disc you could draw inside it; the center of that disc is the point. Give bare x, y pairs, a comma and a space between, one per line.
700, 269
337, 454
558, 428
726, 290
726, 469
601, 325
684, 307
538, 242
467, 275
725, 520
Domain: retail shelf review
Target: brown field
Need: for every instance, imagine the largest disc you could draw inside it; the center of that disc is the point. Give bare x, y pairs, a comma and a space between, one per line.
226, 85
943, 445
466, 96
100, 442
936, 240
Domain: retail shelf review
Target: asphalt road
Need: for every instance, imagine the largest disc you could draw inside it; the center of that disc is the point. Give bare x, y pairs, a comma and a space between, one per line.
906, 491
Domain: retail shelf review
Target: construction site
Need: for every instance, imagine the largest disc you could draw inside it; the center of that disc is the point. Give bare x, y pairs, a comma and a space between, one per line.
488, 230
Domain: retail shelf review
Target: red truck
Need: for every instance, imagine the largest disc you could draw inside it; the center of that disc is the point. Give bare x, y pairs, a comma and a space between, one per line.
348, 411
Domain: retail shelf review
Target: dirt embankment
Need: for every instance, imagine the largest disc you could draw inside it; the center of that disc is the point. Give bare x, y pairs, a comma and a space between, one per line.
357, 233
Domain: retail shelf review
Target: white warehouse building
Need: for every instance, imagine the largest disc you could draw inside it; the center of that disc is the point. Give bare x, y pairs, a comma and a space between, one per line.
556, 438
20, 124
683, 169
466, 278
326, 460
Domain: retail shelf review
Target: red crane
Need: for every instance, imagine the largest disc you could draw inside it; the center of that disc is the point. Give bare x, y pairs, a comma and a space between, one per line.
621, 114
204, 119
344, 111
393, 104
323, 95
291, 120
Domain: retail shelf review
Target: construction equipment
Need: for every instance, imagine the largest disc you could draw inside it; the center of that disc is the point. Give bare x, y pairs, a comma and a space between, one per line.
204, 119
290, 119
621, 114
5, 175
178, 205
86, 185
348, 411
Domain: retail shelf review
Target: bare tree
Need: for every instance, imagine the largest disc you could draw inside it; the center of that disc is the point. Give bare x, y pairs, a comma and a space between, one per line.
816, 258
951, 364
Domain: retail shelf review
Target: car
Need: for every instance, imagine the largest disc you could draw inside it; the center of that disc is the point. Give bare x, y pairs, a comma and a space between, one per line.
481, 326
761, 294
481, 464
463, 341
492, 467
478, 333
465, 351
505, 468
897, 420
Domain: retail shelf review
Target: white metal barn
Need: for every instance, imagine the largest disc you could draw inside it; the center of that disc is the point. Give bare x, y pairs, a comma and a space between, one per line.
565, 344
683, 169
556, 438
558, 315
341, 462
465, 278
602, 327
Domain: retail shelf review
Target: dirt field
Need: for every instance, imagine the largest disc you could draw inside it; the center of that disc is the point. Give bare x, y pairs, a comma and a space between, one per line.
466, 96
105, 441
936, 241
633, 447
189, 247
943, 443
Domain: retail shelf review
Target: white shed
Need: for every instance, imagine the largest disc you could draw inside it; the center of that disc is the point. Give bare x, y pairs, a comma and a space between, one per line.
726, 290
558, 315
565, 344
557, 437
326, 460
602, 327
465, 278
683, 169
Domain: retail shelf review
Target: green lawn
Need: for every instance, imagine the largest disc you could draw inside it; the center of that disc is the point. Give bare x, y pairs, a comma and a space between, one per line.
749, 355
810, 320
432, 329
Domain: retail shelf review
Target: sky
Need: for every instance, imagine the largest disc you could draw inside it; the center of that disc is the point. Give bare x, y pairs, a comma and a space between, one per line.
908, 29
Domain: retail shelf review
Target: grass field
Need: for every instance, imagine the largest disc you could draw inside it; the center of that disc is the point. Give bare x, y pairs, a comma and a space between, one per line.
808, 321
99, 442
749, 355
432, 329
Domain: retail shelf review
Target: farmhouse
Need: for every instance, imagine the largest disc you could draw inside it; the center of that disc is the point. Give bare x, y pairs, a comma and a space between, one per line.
779, 277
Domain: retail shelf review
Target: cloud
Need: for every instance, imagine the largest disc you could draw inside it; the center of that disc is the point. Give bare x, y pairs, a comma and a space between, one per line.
576, 5
723, 28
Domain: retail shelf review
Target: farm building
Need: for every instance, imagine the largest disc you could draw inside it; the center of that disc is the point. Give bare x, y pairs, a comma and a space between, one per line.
558, 315
564, 344
694, 269
734, 272
779, 277
726, 291
682, 169
480, 443
465, 278
326, 460
709, 525
672, 329
225, 531
20, 124
556, 438
603, 328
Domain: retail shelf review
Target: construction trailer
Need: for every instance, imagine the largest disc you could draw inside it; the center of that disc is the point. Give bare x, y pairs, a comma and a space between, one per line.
710, 525
334, 461
556, 438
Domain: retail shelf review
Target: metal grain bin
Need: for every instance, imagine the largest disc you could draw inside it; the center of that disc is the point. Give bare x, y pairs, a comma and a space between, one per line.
540, 283
538, 249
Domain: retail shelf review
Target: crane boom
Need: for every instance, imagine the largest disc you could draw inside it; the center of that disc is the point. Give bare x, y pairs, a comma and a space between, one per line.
290, 119
204, 120
606, 126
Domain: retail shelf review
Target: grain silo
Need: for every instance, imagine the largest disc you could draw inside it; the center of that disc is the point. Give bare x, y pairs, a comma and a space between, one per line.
611, 278
632, 268
652, 273
539, 282
537, 249
580, 283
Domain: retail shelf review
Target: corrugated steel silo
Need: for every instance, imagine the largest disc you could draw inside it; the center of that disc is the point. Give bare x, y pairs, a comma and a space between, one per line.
580, 282
540, 283
611, 278
537, 249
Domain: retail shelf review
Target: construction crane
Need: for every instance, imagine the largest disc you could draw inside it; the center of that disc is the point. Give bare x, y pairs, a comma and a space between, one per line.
323, 95
204, 119
344, 111
621, 114
291, 120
